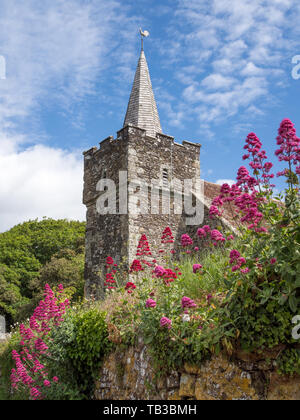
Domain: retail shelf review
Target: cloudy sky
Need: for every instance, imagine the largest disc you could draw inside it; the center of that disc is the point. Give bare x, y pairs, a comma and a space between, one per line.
219, 68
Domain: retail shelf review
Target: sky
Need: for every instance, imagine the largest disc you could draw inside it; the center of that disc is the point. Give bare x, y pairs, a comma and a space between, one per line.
219, 68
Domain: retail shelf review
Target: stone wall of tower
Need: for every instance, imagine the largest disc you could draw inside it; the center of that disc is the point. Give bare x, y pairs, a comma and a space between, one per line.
105, 234
147, 158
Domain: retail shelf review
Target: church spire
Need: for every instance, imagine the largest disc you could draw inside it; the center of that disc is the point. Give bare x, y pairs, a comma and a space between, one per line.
142, 110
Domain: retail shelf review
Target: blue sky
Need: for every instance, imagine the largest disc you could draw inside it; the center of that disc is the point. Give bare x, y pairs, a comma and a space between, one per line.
219, 69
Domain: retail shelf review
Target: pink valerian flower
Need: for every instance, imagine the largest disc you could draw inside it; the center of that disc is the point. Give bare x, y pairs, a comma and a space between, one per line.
289, 150
217, 236
209, 297
244, 195
196, 268
234, 255
186, 240
150, 303
159, 271
253, 146
214, 211
109, 280
201, 233
30, 373
273, 261
35, 393
206, 228
166, 323
237, 261
186, 302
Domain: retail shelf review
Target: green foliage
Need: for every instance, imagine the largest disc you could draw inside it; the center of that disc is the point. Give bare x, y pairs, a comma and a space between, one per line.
24, 250
65, 267
289, 362
6, 364
78, 347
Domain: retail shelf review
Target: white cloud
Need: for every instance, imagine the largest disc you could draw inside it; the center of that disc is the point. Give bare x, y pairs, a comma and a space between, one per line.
217, 81
55, 51
240, 51
225, 181
38, 181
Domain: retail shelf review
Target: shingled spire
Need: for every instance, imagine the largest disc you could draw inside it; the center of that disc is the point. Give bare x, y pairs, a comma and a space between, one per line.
142, 110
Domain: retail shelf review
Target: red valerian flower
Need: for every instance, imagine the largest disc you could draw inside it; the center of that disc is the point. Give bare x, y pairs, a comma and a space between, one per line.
109, 261
130, 287
136, 266
167, 236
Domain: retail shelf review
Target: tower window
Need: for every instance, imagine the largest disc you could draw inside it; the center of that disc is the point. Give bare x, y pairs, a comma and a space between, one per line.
165, 176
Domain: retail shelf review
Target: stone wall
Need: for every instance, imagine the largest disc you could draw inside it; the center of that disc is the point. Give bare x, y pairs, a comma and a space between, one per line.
129, 375
147, 159
105, 234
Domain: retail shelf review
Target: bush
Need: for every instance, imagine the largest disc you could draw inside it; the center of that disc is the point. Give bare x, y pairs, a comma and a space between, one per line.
79, 345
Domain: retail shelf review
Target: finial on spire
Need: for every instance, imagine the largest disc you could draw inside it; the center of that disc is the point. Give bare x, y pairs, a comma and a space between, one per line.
144, 34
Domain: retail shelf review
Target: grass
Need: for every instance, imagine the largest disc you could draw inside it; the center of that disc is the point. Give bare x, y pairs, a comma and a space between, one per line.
211, 280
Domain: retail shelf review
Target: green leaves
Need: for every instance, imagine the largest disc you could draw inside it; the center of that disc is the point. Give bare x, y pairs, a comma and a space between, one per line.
24, 250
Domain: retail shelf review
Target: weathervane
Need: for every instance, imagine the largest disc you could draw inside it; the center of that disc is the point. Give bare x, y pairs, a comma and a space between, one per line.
144, 34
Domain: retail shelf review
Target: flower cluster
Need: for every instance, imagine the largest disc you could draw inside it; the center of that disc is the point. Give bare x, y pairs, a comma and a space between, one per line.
130, 287
166, 323
289, 150
143, 250
253, 147
186, 240
237, 262
166, 274
186, 302
202, 232
30, 373
196, 268
215, 235
109, 277
150, 303
143, 247
167, 236
136, 266
246, 203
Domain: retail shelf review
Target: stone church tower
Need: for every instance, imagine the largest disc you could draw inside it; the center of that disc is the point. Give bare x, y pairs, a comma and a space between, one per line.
148, 169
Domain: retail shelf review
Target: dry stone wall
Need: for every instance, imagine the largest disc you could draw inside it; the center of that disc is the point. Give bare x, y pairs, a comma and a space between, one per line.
129, 375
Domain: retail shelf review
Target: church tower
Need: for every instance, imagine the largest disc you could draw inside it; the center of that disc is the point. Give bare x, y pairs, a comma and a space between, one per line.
138, 177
